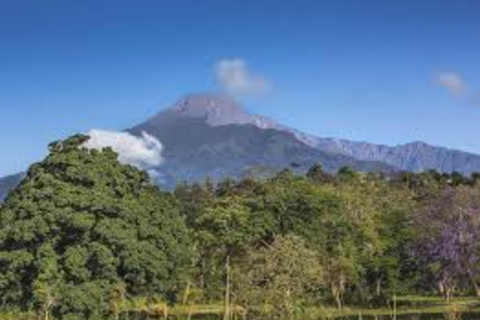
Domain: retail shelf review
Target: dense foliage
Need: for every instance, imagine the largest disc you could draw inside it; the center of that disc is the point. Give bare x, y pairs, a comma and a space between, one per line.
82, 233
84, 237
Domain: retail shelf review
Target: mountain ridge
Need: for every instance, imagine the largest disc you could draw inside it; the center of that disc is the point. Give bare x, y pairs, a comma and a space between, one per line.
8, 183
411, 156
194, 148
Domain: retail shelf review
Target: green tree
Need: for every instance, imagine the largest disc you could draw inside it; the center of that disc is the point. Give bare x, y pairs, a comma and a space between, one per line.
46, 287
317, 174
222, 232
80, 226
279, 279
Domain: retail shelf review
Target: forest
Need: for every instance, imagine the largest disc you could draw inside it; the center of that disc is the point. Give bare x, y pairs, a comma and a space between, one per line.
85, 237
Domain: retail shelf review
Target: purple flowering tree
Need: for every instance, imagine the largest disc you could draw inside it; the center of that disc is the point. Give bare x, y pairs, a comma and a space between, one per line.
448, 239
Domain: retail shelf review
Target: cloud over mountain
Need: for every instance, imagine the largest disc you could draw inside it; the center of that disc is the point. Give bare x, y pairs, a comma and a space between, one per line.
143, 152
451, 81
235, 77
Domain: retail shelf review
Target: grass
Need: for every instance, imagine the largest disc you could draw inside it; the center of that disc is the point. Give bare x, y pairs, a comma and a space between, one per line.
407, 305
194, 310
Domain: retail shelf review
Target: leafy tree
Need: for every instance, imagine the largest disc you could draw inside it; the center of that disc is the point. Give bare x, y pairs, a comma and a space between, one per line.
317, 174
347, 173
81, 226
285, 276
223, 232
448, 240
46, 287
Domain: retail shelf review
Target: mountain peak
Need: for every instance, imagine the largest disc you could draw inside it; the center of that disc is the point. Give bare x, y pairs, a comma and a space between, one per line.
216, 109
417, 145
219, 110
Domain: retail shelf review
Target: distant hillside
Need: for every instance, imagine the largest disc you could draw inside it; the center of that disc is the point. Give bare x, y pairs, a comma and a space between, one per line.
194, 149
8, 183
218, 111
415, 156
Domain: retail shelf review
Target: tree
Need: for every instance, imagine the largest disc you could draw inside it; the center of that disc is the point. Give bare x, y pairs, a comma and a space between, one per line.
46, 288
317, 174
222, 232
347, 173
80, 226
474, 178
448, 238
280, 278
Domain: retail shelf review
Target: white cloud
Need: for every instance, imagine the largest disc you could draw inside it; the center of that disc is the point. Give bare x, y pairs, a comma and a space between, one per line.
234, 76
452, 81
143, 152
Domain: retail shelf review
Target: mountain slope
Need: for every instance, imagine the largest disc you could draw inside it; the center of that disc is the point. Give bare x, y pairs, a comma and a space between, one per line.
8, 183
197, 146
220, 110
415, 156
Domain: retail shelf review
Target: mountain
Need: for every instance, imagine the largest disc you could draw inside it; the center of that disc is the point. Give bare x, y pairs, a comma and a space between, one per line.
8, 183
415, 156
211, 135
218, 111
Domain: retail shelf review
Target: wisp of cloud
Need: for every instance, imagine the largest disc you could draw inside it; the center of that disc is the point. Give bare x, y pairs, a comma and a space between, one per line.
234, 76
143, 152
452, 81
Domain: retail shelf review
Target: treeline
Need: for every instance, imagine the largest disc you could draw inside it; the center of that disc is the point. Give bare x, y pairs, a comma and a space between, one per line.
84, 237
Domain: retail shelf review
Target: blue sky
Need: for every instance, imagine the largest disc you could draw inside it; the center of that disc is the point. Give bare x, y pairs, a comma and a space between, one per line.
382, 71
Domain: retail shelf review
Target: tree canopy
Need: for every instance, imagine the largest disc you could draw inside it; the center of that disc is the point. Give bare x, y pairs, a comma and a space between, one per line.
83, 230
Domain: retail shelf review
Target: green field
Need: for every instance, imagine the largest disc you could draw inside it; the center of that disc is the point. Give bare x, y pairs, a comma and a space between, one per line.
408, 308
